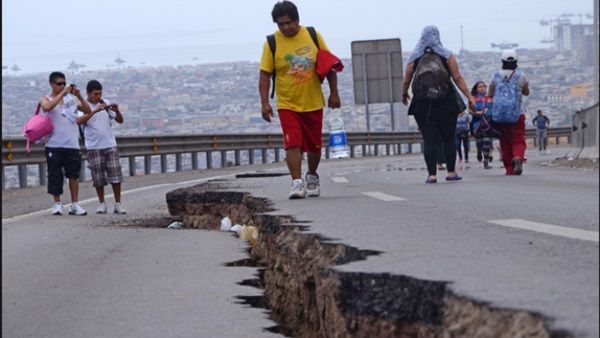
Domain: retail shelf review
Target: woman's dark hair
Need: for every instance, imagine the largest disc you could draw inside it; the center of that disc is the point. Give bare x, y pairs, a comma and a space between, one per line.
283, 8
474, 89
509, 64
56, 75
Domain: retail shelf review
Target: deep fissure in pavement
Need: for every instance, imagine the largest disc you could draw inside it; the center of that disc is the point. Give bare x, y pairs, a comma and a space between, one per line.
308, 297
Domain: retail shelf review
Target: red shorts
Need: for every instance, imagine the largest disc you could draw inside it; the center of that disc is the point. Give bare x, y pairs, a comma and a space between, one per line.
302, 130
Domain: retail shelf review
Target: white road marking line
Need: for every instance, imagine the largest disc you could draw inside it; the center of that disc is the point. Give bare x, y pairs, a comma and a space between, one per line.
126, 192
383, 197
556, 230
339, 179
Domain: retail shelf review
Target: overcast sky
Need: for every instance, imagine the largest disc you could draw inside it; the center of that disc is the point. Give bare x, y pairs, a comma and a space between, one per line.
34, 30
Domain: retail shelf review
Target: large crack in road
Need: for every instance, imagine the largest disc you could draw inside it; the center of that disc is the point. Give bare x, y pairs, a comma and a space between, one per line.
307, 297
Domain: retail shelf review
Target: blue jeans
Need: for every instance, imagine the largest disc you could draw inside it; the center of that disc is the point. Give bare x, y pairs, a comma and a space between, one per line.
462, 139
542, 138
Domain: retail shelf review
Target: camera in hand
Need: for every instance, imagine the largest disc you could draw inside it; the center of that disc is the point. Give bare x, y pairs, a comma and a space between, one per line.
72, 85
107, 104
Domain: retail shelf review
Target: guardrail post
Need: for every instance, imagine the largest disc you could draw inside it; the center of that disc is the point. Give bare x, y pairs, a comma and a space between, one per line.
209, 164
251, 156
163, 163
22, 175
277, 155
263, 154
178, 162
195, 160
223, 158
132, 168
237, 157
147, 165
43, 174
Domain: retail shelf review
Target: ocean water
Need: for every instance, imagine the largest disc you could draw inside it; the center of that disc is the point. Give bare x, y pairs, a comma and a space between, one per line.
154, 57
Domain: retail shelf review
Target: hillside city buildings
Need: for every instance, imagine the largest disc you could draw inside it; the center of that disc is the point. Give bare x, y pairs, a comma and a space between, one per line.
223, 97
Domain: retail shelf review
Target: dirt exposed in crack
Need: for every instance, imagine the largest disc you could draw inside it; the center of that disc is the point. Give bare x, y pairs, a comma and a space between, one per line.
307, 297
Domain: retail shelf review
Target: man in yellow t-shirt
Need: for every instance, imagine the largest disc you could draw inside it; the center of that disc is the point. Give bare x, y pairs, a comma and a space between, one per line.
300, 99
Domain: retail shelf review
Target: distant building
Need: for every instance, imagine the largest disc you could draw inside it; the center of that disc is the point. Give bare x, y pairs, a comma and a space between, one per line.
587, 50
567, 37
581, 90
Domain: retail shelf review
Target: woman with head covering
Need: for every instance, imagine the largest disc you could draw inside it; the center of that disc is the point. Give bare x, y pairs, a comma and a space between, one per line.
436, 118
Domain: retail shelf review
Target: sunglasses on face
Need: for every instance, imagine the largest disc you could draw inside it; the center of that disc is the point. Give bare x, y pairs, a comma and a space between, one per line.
60, 83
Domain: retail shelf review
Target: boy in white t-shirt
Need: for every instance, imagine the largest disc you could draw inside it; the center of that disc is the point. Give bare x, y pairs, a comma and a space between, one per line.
101, 145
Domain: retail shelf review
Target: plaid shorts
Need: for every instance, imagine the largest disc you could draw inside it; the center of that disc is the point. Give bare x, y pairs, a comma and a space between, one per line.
105, 166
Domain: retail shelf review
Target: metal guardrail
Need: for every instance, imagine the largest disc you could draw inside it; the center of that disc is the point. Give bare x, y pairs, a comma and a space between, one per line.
270, 146
586, 133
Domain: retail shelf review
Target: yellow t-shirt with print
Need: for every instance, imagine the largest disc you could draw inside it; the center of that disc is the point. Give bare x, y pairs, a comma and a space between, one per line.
297, 84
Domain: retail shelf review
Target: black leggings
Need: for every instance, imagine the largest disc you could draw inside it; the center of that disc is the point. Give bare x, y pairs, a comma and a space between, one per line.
485, 144
438, 126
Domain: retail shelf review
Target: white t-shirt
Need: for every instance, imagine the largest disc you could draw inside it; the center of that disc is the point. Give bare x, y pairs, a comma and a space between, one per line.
98, 129
63, 116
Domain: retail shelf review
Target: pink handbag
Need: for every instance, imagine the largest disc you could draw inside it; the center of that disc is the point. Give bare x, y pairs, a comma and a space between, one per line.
39, 128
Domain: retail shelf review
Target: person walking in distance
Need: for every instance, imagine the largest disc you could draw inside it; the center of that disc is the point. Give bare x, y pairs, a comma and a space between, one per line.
512, 141
542, 124
462, 136
101, 145
63, 154
436, 118
300, 99
483, 108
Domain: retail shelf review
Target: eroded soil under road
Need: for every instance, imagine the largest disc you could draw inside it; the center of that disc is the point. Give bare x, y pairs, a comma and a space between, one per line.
307, 297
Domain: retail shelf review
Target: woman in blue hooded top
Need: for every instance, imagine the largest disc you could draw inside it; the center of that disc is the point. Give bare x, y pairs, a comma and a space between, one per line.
437, 118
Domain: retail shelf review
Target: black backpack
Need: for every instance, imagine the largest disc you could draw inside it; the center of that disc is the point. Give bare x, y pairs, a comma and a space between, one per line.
271, 41
431, 78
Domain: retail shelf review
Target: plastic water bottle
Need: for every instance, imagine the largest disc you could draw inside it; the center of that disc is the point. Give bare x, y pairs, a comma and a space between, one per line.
338, 146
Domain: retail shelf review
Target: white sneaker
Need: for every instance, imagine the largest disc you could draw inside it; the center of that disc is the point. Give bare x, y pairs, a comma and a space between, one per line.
76, 209
297, 189
58, 209
101, 208
119, 209
313, 189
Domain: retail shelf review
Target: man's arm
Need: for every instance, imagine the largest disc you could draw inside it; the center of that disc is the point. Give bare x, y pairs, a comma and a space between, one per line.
264, 84
48, 105
82, 103
118, 116
334, 96
525, 91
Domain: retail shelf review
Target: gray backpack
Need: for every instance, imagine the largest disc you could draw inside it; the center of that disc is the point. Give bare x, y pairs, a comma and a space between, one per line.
431, 79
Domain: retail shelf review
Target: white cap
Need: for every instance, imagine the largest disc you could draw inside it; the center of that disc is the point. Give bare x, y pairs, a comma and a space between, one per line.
509, 55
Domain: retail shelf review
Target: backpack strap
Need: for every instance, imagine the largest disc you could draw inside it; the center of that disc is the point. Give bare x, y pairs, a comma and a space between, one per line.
273, 47
313, 35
